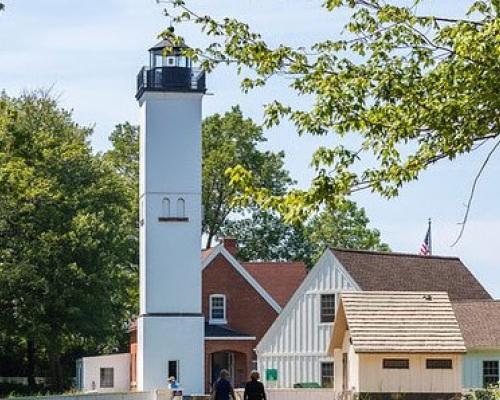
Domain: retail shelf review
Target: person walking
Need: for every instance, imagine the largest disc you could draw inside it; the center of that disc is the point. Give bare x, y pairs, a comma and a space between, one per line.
222, 387
254, 390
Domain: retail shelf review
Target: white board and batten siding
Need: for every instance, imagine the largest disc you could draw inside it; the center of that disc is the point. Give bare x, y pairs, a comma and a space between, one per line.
297, 342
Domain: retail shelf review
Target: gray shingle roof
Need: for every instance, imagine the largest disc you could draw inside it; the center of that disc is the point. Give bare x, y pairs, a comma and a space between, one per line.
220, 331
479, 322
398, 271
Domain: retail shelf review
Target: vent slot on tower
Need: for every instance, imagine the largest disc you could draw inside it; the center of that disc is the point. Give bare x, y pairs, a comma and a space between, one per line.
180, 211
181, 208
165, 207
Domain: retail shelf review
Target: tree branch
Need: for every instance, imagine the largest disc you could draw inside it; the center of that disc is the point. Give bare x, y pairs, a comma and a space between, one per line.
473, 191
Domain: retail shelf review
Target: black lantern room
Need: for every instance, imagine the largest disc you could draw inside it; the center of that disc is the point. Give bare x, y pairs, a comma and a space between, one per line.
169, 71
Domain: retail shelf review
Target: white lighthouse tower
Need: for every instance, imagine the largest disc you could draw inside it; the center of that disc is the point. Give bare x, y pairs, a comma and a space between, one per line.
171, 325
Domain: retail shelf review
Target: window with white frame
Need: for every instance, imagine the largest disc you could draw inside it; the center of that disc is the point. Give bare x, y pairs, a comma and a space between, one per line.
327, 374
217, 309
491, 374
107, 378
327, 308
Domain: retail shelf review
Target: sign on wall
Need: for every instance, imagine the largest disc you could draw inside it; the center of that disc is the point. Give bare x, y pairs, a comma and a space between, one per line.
271, 375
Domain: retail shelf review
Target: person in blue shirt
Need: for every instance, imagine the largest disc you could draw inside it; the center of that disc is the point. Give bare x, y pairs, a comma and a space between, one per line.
223, 389
172, 383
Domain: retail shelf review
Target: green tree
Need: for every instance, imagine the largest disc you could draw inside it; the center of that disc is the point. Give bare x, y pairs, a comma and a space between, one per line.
124, 157
345, 227
124, 154
414, 88
266, 236
63, 241
230, 140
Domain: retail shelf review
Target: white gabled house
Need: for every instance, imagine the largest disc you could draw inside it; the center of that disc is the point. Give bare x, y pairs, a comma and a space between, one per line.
296, 345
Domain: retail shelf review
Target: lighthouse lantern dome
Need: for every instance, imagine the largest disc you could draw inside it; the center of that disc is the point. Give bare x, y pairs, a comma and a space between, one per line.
169, 70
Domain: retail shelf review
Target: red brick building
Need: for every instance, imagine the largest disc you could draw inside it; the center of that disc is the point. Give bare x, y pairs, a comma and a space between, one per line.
240, 302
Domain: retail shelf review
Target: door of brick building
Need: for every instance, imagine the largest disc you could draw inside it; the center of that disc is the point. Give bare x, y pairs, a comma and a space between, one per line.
222, 360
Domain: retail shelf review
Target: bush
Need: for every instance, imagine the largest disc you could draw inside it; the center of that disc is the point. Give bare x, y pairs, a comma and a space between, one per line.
491, 393
16, 390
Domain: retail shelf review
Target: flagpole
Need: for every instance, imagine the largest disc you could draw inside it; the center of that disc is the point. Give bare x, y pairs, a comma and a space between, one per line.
430, 237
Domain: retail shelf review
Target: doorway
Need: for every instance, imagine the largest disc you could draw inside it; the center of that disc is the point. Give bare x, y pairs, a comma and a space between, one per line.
222, 360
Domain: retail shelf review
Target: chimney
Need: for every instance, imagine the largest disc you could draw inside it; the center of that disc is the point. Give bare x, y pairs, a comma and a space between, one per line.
230, 245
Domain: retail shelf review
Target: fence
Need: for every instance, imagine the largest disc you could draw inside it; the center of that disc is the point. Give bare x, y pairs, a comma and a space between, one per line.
296, 394
95, 396
20, 380
272, 394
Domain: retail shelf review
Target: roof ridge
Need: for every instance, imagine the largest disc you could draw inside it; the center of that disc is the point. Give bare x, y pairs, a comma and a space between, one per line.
272, 262
391, 292
392, 253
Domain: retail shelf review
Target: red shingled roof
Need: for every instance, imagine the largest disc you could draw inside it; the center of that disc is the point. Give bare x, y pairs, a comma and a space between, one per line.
279, 279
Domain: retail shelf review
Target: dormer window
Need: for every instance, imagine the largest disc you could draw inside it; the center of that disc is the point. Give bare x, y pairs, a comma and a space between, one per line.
218, 309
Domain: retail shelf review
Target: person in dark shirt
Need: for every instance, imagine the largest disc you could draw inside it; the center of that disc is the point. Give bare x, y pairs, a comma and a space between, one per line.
222, 388
254, 390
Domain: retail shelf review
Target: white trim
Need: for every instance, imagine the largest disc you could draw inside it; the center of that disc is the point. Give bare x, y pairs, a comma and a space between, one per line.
231, 338
327, 260
243, 272
217, 321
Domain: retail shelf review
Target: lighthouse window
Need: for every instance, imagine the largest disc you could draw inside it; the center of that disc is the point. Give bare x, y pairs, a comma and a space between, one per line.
173, 369
181, 208
158, 60
165, 212
218, 309
170, 61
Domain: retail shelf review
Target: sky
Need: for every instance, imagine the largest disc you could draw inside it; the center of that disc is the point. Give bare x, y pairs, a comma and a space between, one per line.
89, 52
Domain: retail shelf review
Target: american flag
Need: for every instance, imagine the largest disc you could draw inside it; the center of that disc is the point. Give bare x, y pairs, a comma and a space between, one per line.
426, 247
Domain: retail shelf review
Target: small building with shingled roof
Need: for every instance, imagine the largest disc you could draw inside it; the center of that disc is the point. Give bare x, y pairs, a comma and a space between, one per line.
397, 343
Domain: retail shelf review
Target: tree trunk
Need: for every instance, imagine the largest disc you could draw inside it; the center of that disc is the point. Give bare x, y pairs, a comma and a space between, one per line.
30, 356
56, 376
210, 238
